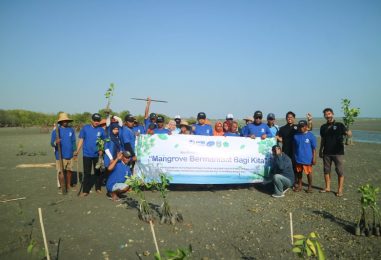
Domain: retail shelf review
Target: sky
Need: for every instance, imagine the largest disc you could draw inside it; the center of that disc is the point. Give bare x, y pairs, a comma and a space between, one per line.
217, 57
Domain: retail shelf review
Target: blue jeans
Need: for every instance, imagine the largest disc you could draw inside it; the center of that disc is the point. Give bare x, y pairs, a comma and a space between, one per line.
280, 184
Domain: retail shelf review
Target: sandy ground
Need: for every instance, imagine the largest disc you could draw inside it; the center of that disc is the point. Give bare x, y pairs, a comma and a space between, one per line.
220, 222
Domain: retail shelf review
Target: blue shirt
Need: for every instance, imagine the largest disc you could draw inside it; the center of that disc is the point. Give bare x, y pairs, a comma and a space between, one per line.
112, 148
274, 130
258, 130
245, 131
304, 144
139, 129
118, 175
203, 129
68, 144
90, 134
147, 122
128, 136
161, 131
231, 134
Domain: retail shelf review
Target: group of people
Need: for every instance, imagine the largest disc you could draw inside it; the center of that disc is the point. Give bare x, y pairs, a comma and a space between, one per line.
294, 154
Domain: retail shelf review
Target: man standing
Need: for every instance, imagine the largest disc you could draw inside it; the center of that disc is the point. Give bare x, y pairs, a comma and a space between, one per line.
271, 124
149, 118
283, 174
88, 138
201, 128
67, 141
286, 135
332, 149
258, 129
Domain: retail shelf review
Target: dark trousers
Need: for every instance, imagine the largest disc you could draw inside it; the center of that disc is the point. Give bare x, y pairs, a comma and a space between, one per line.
91, 179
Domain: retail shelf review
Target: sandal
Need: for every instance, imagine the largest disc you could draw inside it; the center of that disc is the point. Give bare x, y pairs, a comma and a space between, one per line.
324, 191
339, 194
309, 191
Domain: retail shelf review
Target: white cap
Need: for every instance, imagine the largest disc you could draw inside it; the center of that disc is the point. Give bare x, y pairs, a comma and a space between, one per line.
229, 116
178, 116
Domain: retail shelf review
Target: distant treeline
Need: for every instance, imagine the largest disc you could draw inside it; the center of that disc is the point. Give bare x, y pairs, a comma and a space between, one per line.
25, 118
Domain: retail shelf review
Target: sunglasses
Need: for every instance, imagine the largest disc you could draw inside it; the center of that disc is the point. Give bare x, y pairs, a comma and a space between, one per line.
258, 117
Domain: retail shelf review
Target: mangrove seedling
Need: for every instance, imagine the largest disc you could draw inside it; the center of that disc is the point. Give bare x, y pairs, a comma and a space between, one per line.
137, 184
166, 214
309, 246
368, 202
109, 93
101, 147
349, 116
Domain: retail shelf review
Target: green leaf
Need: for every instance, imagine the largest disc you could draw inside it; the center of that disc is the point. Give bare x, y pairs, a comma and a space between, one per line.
299, 242
299, 237
297, 250
313, 235
321, 255
311, 246
309, 252
157, 256
30, 248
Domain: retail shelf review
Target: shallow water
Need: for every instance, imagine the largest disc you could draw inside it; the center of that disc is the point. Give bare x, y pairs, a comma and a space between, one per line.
361, 136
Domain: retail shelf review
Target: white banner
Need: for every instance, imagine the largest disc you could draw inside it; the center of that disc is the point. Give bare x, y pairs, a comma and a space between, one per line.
195, 159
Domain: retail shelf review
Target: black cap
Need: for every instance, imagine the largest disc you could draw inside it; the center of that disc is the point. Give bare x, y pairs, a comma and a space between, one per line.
152, 115
302, 123
201, 115
96, 117
276, 146
129, 118
270, 116
114, 125
160, 119
258, 114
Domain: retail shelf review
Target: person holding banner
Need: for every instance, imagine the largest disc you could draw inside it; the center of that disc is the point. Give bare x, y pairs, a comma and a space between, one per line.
282, 172
248, 120
201, 128
258, 129
218, 129
67, 141
160, 127
233, 130
271, 124
185, 128
149, 118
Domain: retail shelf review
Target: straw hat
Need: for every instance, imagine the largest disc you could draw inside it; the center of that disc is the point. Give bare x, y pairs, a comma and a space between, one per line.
63, 117
249, 118
184, 123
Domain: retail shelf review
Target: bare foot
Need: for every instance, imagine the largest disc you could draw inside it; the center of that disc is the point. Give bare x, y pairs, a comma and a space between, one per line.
84, 194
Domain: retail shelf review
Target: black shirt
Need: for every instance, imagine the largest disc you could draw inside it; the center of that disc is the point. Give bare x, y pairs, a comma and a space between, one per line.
287, 133
333, 138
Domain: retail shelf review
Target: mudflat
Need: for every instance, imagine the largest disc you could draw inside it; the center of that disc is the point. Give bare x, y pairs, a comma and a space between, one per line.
220, 222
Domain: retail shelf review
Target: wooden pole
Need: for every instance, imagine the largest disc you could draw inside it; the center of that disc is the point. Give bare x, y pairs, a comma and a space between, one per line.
43, 235
291, 229
3, 201
64, 189
154, 239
